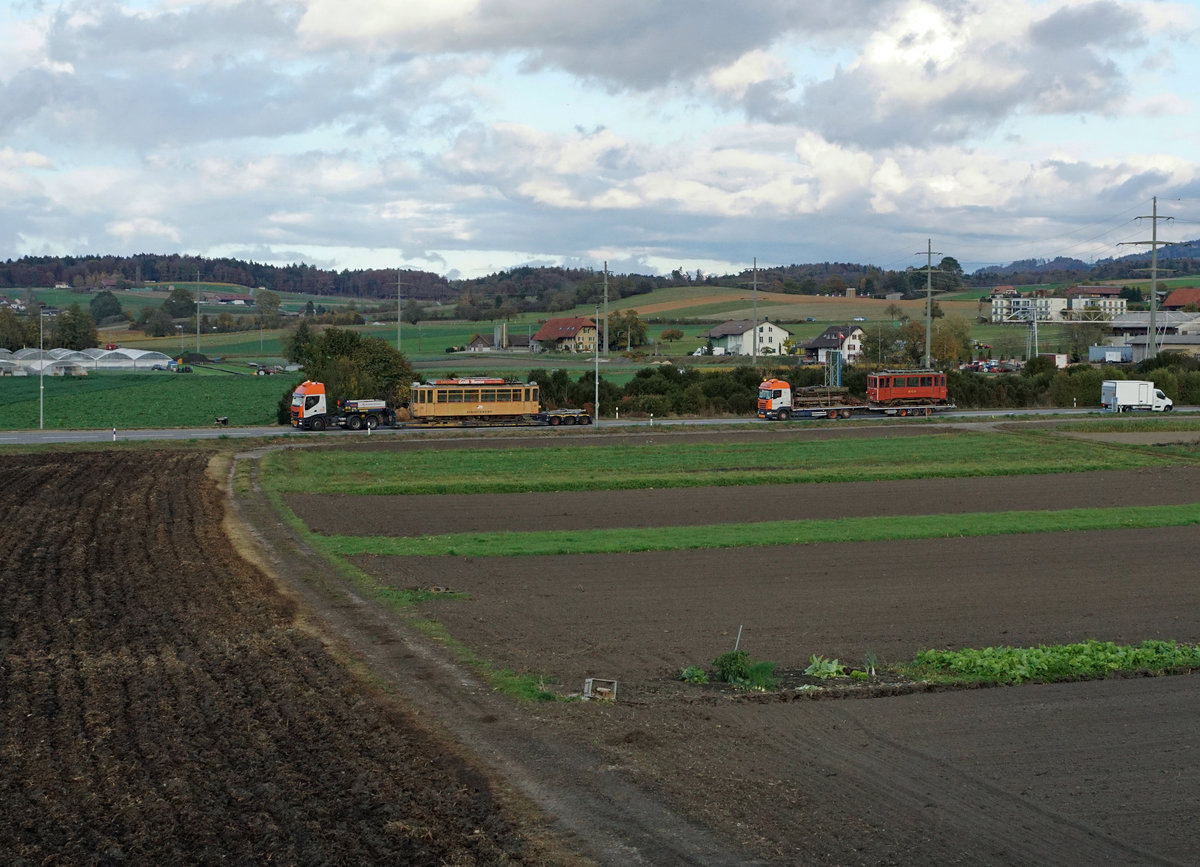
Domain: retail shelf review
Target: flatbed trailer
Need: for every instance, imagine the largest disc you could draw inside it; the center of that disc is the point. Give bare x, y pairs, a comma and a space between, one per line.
899, 393
855, 410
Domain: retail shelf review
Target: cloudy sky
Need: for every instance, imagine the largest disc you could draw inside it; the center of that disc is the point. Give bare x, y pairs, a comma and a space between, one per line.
468, 136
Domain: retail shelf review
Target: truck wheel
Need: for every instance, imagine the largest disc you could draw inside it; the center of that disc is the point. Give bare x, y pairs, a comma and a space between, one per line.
1168, 408
372, 422
784, 415
354, 422
318, 424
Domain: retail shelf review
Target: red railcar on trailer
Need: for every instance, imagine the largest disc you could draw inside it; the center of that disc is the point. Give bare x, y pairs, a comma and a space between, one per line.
889, 392
907, 388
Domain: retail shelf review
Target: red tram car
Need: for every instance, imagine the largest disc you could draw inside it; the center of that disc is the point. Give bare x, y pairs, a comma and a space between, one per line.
907, 388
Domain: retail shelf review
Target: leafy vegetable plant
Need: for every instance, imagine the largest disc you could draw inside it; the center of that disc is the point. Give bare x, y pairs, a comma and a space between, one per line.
819, 666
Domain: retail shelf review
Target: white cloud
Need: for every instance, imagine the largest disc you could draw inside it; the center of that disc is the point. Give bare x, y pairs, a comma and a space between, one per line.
753, 67
466, 132
375, 22
143, 228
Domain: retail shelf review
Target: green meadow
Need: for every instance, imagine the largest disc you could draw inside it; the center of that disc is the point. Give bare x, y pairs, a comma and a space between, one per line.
665, 463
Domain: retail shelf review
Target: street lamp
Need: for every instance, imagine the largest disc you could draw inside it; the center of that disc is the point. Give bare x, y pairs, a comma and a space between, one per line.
596, 398
41, 368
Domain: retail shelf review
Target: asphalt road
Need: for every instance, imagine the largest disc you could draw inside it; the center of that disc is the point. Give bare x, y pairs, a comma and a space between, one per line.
34, 437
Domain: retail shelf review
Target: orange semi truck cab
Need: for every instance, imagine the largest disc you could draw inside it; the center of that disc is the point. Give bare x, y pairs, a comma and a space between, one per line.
311, 411
774, 395
308, 402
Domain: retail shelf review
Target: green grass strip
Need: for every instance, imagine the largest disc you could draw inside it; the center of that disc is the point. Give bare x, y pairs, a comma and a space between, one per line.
1089, 659
675, 463
869, 529
1161, 424
523, 687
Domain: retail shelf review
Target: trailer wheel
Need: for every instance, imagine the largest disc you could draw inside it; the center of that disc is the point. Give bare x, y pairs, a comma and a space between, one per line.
831, 413
928, 411
372, 422
354, 422
555, 421
845, 413
585, 419
318, 424
569, 420
784, 415
903, 412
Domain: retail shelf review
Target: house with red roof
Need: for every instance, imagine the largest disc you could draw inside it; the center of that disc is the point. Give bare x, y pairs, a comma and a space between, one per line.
566, 334
1181, 298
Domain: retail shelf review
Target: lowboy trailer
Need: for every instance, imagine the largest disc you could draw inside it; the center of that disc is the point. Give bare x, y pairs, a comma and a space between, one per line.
465, 402
889, 392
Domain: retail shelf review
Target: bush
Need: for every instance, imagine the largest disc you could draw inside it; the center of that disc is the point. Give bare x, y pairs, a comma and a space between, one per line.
737, 668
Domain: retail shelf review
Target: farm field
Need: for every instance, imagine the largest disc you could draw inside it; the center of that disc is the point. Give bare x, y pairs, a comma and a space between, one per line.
162, 702
1086, 772
141, 400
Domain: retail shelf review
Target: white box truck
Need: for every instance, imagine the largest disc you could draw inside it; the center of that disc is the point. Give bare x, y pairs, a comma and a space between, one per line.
1124, 395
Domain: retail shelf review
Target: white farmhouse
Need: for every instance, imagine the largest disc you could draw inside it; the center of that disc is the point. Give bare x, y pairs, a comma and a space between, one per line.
738, 337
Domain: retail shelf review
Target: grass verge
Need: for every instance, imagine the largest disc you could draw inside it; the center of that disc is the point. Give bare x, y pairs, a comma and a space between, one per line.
1156, 424
865, 529
473, 470
524, 687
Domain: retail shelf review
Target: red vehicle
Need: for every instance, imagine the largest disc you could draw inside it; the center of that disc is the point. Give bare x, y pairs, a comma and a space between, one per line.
907, 388
889, 392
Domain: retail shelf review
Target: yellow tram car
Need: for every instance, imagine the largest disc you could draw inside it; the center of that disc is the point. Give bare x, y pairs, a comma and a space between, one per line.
478, 399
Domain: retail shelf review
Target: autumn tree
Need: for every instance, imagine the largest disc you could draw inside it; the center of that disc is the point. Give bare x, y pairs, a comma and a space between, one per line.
15, 332
179, 303
625, 328
104, 306
350, 364
158, 323
74, 328
268, 304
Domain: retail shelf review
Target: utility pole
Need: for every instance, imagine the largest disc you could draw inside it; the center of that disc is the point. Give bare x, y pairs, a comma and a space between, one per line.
928, 269
754, 332
605, 310
1152, 330
399, 299
596, 353
197, 311
41, 367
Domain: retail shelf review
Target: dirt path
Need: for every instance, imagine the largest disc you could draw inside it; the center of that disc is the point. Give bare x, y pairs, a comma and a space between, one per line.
602, 814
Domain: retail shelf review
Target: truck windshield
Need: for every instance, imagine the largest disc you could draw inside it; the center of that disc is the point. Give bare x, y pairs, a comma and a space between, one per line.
297, 399
765, 394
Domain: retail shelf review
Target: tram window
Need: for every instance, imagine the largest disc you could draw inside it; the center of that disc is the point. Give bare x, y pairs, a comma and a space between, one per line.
487, 395
927, 381
455, 397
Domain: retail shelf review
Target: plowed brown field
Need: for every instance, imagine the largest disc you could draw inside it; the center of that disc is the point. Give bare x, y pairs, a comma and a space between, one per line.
159, 705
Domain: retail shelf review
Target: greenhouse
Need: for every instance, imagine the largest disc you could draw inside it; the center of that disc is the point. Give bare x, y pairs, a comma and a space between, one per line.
72, 361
